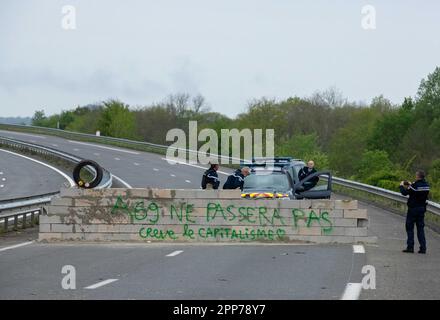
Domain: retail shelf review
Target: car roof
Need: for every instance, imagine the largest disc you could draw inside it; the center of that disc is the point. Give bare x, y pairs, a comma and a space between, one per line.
264, 162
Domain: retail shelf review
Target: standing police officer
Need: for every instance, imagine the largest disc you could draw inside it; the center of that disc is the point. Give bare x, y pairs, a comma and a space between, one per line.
418, 195
210, 178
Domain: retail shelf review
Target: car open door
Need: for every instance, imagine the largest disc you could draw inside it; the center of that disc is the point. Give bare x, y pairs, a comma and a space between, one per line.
316, 186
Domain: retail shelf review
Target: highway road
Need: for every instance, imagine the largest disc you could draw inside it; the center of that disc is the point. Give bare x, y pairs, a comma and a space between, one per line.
188, 271
21, 177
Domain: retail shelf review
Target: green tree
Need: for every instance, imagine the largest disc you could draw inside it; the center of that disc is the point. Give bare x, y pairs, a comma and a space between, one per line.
39, 118
117, 120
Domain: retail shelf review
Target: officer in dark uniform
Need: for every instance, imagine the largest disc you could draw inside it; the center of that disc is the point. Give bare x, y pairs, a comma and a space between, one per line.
236, 180
418, 195
210, 178
305, 172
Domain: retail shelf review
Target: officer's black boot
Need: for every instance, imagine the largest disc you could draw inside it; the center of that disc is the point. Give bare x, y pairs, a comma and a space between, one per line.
423, 251
408, 250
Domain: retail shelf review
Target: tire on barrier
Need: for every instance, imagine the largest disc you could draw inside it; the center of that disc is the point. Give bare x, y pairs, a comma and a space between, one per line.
84, 184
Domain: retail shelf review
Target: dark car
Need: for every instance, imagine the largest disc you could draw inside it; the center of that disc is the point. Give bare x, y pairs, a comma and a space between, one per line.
278, 178
268, 183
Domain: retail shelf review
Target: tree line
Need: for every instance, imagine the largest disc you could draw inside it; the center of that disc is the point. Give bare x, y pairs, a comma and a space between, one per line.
379, 143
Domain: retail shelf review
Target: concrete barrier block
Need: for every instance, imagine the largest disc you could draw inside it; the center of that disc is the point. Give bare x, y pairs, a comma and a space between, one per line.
309, 231
346, 204
304, 204
323, 204
45, 219
334, 213
58, 210
70, 236
93, 202
62, 227
57, 201
229, 194
345, 222
49, 236
334, 231
44, 227
355, 214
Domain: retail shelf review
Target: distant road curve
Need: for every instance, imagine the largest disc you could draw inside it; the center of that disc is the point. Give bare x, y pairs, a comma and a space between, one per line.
21, 176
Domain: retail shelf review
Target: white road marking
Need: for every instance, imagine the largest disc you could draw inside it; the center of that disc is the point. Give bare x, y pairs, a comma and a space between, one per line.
75, 149
155, 169
187, 181
174, 253
173, 175
100, 284
96, 154
352, 291
71, 182
103, 147
122, 181
172, 162
54, 145
117, 159
136, 164
1, 172
3, 179
2, 185
16, 246
358, 248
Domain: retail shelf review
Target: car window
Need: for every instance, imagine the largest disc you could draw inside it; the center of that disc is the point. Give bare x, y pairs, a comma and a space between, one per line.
277, 182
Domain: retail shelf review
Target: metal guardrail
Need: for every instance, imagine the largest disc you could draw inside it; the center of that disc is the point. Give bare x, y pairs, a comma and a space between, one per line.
432, 207
18, 209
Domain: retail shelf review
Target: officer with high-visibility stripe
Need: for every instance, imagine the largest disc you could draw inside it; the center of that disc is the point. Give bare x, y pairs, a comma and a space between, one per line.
236, 180
418, 195
210, 178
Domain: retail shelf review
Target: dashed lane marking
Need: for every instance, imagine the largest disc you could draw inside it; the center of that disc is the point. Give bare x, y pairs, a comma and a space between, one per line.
173, 175
174, 253
100, 284
103, 147
187, 181
172, 162
352, 291
358, 249
117, 159
16, 246
155, 169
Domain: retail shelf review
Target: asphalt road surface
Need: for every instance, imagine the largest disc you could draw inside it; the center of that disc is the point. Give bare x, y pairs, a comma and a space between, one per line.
21, 177
145, 271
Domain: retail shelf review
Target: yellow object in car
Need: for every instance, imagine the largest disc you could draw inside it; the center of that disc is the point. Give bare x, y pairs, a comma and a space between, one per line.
258, 195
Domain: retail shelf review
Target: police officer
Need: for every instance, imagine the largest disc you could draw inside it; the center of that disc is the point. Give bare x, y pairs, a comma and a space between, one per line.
418, 195
236, 180
305, 172
210, 178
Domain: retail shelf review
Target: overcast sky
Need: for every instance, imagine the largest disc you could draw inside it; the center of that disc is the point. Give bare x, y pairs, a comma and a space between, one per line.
230, 51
